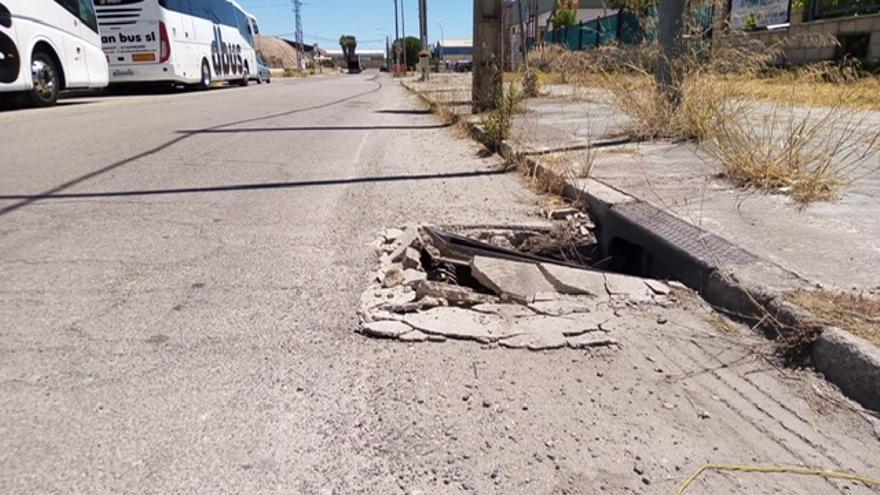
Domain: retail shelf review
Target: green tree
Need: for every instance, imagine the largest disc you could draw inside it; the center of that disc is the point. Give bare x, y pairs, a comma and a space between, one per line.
413, 46
349, 47
564, 18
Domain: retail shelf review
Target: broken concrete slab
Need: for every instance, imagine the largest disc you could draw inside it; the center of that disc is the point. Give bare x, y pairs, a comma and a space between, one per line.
394, 276
588, 340
513, 280
570, 325
385, 329
412, 277
455, 294
574, 281
459, 323
507, 311
412, 258
540, 341
406, 241
392, 234
633, 289
414, 336
564, 305
379, 297
658, 287
562, 213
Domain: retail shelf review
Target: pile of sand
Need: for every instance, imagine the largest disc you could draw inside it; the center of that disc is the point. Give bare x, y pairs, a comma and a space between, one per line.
277, 53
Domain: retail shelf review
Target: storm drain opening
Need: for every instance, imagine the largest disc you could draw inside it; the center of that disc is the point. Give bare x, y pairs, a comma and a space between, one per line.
519, 287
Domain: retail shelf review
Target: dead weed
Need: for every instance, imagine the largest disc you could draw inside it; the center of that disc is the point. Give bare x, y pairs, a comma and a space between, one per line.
853, 312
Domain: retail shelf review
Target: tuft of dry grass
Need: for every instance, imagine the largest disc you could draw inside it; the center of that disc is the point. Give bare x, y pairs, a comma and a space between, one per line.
811, 155
855, 313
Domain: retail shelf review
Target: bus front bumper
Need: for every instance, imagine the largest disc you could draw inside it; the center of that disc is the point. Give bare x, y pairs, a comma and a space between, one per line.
146, 73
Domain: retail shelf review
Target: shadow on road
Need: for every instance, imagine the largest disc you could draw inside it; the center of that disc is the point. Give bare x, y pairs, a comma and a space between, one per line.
258, 186
25, 200
405, 112
319, 129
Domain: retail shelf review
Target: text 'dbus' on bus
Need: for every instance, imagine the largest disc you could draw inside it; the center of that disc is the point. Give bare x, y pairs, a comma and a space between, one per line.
193, 42
47, 46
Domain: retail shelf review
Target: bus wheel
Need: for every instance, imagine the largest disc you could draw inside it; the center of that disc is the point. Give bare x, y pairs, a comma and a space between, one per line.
205, 82
47, 83
245, 79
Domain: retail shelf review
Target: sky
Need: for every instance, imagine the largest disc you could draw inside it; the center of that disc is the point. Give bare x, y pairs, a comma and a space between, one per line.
324, 21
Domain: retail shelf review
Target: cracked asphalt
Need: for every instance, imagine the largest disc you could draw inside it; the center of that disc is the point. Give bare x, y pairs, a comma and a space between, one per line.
179, 281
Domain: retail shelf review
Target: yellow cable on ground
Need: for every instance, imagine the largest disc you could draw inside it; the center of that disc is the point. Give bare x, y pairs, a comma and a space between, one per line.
777, 469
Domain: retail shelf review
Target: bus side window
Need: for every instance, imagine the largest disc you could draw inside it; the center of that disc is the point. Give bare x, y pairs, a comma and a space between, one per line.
87, 14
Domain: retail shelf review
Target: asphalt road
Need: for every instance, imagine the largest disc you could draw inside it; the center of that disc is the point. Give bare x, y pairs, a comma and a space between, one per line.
179, 277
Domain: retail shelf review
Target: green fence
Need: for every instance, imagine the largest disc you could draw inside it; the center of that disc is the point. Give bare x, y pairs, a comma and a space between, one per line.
623, 28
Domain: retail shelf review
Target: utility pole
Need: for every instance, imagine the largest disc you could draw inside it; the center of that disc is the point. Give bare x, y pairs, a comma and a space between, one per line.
397, 39
423, 34
488, 83
403, 40
298, 34
670, 36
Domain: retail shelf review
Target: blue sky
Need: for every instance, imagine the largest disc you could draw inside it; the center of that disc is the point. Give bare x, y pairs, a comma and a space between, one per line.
324, 21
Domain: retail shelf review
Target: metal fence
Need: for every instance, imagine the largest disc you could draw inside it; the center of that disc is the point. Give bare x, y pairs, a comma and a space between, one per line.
622, 28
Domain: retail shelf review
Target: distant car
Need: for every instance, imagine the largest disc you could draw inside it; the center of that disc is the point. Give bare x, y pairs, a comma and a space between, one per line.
383, 68
463, 66
264, 75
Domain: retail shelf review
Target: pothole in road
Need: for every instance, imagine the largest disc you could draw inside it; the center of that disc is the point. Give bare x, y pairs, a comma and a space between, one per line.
519, 287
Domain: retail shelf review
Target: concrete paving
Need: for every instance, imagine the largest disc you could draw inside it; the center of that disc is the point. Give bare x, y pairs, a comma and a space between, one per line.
834, 244
176, 317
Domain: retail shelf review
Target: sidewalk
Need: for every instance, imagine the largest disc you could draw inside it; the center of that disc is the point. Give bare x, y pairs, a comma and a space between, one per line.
734, 245
835, 245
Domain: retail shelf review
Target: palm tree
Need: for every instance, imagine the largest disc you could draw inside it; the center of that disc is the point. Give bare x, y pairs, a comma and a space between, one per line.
349, 47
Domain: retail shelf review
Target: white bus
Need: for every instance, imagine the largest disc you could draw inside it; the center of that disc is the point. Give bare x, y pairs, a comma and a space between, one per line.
47, 46
192, 42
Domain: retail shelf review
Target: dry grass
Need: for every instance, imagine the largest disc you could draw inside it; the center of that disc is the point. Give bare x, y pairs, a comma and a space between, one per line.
855, 313
788, 87
749, 115
811, 155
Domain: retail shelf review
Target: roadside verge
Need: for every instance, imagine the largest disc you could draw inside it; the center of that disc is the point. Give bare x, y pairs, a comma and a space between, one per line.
731, 278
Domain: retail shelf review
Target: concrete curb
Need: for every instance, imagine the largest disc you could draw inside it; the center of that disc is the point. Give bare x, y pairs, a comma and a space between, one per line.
729, 277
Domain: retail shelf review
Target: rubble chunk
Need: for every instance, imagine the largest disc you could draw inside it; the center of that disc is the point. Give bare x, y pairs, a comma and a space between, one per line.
385, 329
412, 277
632, 288
455, 294
406, 241
658, 287
537, 341
392, 235
574, 281
588, 340
412, 258
414, 336
460, 323
563, 213
393, 277
515, 280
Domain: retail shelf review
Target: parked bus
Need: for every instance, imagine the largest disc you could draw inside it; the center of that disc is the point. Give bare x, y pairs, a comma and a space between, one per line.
192, 42
47, 46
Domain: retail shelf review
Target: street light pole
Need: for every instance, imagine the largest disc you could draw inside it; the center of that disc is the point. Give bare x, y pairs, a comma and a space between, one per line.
442, 39
387, 44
